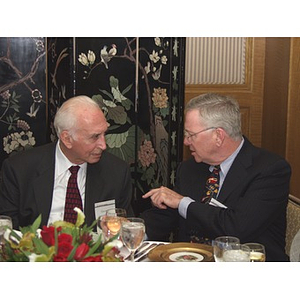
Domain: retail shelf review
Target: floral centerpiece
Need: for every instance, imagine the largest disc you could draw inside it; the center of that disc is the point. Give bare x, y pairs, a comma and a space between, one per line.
60, 242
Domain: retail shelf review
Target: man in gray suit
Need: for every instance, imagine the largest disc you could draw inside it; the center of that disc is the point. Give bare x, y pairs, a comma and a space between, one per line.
35, 181
253, 190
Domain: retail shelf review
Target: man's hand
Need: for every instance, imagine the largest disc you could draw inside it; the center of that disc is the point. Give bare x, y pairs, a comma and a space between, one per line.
163, 197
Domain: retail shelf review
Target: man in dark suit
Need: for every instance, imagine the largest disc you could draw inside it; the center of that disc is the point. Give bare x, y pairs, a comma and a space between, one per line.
35, 181
253, 191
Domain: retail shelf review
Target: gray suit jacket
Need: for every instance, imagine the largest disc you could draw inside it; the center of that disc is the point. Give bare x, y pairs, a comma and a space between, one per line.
255, 192
28, 179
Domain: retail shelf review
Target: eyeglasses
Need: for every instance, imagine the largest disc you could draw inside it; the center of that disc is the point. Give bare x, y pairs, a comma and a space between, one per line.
188, 136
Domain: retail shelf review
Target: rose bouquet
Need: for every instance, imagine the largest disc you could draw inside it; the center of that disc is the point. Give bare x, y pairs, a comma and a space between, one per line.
59, 242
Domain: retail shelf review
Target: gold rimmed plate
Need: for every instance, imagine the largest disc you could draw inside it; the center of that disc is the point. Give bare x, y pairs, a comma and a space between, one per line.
182, 252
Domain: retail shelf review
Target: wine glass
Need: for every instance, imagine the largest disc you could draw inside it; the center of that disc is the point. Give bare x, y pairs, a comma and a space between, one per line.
222, 243
236, 252
117, 212
132, 234
5, 222
109, 225
257, 252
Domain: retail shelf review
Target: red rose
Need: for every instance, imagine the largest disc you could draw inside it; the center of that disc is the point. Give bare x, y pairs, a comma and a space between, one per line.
59, 258
64, 249
47, 234
97, 258
81, 251
64, 237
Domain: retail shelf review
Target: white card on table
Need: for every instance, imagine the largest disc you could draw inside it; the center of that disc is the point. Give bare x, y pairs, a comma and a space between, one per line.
103, 206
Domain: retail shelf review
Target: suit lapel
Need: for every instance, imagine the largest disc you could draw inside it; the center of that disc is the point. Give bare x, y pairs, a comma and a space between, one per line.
237, 172
44, 182
93, 184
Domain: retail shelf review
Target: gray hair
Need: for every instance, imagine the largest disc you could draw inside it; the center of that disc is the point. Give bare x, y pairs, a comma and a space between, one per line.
66, 116
218, 111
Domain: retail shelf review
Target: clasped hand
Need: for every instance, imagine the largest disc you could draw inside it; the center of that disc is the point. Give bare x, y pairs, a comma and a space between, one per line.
163, 197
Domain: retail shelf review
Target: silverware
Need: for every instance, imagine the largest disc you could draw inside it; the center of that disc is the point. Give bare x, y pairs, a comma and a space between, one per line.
142, 249
146, 251
143, 253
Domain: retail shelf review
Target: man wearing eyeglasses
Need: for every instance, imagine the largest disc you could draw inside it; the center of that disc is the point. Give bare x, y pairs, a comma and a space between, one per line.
252, 190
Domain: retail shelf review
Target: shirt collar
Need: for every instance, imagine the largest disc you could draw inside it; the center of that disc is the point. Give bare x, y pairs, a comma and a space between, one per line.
62, 164
226, 164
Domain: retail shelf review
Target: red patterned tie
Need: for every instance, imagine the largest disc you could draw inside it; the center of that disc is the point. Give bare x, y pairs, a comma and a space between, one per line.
212, 185
73, 198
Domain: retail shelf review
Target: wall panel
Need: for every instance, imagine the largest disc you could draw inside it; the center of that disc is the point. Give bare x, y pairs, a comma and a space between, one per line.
293, 120
249, 90
215, 60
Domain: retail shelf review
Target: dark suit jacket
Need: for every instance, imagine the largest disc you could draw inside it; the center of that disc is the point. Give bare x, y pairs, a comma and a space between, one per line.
28, 179
255, 191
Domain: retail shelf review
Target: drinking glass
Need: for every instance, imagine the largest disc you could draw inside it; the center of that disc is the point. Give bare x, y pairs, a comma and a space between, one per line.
117, 212
222, 243
110, 223
132, 234
236, 253
5, 222
110, 226
257, 252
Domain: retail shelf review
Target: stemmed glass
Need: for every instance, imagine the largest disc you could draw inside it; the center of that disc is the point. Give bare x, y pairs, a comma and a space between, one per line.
221, 243
132, 234
110, 223
257, 252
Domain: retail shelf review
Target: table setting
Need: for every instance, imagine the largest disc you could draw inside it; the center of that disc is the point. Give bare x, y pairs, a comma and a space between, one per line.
118, 239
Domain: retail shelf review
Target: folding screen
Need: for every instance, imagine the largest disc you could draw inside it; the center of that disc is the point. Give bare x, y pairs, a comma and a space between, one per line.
139, 83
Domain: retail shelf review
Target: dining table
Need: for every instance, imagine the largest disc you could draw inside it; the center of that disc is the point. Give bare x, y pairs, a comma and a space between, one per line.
156, 251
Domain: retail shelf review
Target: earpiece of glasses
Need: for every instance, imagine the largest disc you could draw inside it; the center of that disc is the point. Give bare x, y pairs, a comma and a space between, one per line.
189, 135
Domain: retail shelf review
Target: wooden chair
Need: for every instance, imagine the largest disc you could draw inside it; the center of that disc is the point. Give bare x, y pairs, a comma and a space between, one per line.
293, 221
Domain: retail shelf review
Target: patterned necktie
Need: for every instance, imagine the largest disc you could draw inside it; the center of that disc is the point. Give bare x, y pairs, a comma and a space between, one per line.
212, 185
73, 198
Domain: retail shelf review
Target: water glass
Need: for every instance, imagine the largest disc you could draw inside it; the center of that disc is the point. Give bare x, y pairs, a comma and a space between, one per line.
237, 253
132, 234
221, 243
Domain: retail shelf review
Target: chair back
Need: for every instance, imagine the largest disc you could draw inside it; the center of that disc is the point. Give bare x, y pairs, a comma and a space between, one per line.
293, 222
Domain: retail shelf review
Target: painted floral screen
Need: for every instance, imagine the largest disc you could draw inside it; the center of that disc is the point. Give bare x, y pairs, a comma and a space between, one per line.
138, 82
22, 94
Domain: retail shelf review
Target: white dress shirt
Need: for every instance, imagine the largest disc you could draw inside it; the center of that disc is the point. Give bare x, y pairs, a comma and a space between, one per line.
61, 177
224, 168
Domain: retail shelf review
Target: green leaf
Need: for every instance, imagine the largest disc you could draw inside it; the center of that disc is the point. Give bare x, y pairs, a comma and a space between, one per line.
91, 227
33, 228
127, 89
107, 94
36, 224
117, 114
113, 81
55, 240
41, 247
95, 247
71, 255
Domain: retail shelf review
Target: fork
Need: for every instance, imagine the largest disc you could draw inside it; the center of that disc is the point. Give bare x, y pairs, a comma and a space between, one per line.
141, 255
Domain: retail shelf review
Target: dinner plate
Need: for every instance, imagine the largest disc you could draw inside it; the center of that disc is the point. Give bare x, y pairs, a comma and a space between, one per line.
181, 252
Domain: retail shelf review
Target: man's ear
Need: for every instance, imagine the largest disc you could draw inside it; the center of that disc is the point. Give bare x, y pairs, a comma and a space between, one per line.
220, 135
66, 139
